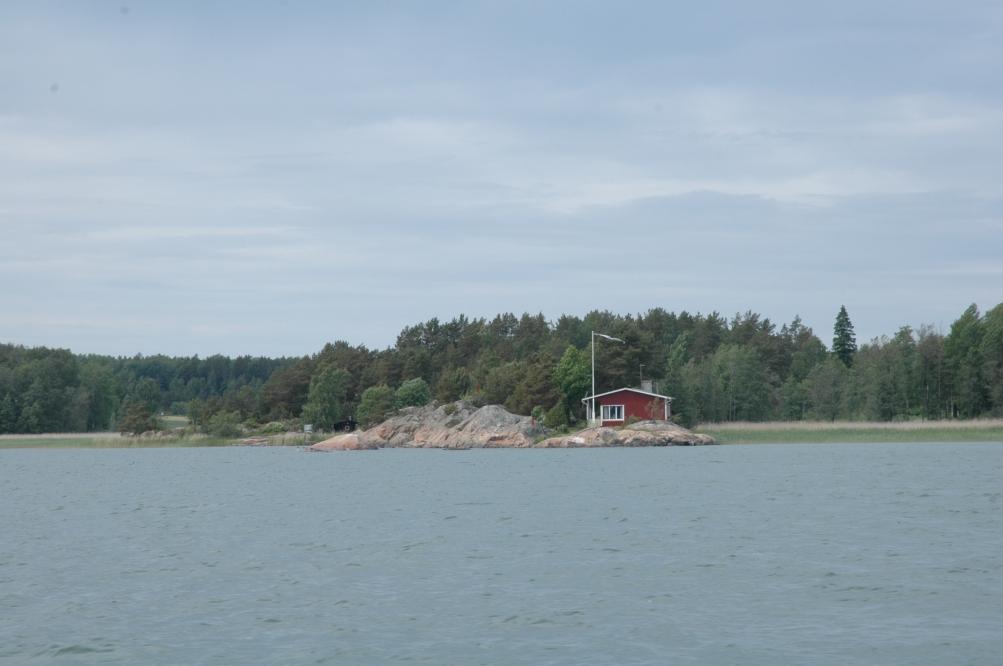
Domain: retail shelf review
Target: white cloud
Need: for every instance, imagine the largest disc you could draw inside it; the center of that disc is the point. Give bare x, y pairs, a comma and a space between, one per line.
368, 173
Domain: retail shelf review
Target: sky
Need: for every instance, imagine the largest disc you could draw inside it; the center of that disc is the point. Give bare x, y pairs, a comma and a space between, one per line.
263, 178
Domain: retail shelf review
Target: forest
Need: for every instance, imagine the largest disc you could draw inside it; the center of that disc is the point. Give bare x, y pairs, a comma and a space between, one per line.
716, 369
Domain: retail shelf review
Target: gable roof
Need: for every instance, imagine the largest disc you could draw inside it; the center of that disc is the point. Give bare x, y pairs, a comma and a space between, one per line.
626, 388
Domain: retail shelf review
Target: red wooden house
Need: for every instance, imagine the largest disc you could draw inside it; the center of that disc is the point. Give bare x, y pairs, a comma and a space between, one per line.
613, 408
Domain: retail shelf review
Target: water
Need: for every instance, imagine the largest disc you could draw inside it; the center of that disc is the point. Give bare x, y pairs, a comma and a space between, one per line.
788, 554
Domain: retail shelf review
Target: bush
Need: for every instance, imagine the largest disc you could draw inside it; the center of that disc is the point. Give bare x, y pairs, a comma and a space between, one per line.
375, 405
477, 398
224, 424
271, 428
538, 413
413, 393
327, 401
556, 417
137, 418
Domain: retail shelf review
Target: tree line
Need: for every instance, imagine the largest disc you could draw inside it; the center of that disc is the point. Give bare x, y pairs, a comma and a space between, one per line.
717, 369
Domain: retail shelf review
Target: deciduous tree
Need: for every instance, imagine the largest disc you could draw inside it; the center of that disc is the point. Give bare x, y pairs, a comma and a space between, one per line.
327, 402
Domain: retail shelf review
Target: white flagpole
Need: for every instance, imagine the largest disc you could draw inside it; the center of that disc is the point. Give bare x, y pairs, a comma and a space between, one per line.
592, 401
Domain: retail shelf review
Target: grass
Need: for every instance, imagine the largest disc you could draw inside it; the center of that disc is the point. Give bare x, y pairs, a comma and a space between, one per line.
101, 440
980, 430
113, 440
171, 422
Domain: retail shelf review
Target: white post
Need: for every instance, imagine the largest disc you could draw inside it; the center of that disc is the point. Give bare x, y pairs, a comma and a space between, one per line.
592, 401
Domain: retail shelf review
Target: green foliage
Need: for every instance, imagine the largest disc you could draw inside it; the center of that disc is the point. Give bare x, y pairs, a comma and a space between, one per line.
825, 386
453, 384
136, 418
572, 374
147, 392
844, 342
8, 414
501, 382
991, 351
413, 393
557, 416
535, 386
794, 397
965, 364
271, 428
930, 373
740, 384
327, 400
224, 424
287, 390
376, 404
716, 368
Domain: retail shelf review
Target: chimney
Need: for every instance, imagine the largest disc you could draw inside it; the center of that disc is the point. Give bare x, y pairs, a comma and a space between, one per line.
647, 385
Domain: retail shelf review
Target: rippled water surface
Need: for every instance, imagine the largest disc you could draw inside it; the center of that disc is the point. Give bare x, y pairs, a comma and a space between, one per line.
830, 554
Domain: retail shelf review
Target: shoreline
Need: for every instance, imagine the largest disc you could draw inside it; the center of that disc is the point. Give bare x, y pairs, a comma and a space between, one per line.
768, 432
854, 432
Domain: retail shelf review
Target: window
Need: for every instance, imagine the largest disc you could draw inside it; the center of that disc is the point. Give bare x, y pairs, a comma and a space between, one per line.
612, 412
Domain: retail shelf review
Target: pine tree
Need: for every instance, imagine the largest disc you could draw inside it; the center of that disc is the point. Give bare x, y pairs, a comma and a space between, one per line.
844, 342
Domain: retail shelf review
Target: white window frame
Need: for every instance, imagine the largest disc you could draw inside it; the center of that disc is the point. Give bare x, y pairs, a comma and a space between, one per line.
608, 410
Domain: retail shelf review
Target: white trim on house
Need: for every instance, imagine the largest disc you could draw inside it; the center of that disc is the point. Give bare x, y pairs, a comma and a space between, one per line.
607, 412
632, 390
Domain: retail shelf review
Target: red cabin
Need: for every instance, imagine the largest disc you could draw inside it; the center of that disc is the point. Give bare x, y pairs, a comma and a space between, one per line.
613, 408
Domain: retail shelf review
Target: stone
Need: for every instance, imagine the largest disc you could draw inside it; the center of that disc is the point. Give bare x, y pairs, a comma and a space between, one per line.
461, 425
345, 442
642, 433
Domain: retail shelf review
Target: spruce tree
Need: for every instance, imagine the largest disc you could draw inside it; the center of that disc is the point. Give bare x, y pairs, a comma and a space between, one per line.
844, 342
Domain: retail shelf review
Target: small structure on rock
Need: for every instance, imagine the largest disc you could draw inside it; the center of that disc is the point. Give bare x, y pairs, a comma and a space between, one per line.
615, 407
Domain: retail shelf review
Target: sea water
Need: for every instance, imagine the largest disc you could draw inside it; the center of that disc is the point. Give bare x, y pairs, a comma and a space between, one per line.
765, 554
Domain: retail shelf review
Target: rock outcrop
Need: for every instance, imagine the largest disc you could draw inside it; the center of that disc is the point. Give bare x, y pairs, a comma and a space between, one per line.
642, 433
346, 442
461, 425
457, 425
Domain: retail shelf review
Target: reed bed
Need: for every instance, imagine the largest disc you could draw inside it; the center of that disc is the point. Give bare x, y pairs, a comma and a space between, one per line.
741, 432
102, 440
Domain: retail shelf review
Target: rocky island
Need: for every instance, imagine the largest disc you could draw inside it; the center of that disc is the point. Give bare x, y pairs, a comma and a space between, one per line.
461, 425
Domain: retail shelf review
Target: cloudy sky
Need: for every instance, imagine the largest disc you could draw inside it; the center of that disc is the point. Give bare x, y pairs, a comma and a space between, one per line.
265, 177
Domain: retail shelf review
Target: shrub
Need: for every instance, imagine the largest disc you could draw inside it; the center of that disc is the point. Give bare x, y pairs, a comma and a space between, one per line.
538, 413
272, 428
556, 417
375, 405
136, 419
327, 401
224, 424
413, 393
477, 398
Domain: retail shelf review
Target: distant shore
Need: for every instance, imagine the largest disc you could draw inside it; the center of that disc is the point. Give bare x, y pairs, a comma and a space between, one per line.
101, 440
114, 440
808, 432
778, 432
